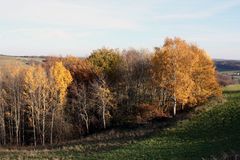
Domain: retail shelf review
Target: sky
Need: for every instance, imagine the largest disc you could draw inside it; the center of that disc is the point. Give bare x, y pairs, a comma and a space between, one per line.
76, 27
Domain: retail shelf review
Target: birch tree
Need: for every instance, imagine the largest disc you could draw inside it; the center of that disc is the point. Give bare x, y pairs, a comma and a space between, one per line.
186, 72
2, 113
60, 79
172, 70
104, 101
38, 100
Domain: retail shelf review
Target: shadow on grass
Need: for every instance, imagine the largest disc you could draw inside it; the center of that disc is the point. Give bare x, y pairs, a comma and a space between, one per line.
231, 92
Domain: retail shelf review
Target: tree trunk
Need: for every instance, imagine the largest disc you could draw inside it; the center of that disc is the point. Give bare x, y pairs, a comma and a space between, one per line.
103, 117
52, 122
34, 127
2, 126
43, 129
3, 132
87, 127
175, 106
86, 123
10, 131
43, 121
86, 119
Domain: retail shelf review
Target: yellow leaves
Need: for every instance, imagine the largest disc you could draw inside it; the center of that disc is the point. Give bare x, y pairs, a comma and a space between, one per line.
61, 79
53, 82
172, 65
185, 70
35, 77
204, 77
30, 80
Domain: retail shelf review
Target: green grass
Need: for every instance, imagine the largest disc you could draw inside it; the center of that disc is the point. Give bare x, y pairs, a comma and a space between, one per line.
210, 132
231, 88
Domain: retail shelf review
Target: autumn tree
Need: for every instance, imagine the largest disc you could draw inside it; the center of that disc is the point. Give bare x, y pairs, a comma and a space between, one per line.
2, 113
103, 100
37, 98
60, 79
12, 78
79, 105
138, 75
134, 86
205, 78
179, 68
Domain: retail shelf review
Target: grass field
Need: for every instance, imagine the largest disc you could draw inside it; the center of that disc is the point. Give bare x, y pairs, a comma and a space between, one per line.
232, 88
13, 60
212, 131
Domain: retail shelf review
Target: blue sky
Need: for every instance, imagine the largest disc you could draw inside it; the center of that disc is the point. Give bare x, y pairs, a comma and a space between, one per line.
76, 27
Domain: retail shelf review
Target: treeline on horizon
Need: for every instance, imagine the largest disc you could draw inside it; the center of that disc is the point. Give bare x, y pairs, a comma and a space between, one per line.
65, 98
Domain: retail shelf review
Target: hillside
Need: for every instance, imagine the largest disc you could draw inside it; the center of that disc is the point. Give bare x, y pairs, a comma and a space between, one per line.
227, 65
212, 131
23, 60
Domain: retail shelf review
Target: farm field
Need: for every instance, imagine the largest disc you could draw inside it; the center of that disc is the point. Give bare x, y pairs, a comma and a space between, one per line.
211, 132
231, 88
14, 60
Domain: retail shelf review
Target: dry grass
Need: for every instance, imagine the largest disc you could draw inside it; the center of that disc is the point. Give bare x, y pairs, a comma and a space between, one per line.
13, 60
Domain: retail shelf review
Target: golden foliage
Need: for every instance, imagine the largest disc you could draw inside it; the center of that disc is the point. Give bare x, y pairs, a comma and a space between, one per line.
185, 71
61, 79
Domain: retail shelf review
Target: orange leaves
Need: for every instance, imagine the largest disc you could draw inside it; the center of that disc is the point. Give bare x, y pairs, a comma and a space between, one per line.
204, 77
184, 70
172, 68
81, 70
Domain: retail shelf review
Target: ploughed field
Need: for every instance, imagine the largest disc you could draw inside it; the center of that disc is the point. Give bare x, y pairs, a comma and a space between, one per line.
208, 132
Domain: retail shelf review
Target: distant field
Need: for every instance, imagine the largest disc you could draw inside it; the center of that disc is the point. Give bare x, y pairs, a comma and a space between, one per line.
232, 88
13, 60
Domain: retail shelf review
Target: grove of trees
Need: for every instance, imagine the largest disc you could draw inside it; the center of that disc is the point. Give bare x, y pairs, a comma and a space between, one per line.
66, 98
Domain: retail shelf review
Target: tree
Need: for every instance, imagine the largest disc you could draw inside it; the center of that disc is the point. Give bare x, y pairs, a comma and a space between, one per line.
185, 73
225, 79
13, 78
204, 77
36, 84
2, 113
79, 106
60, 80
103, 100
138, 75
107, 62
89, 97
172, 68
